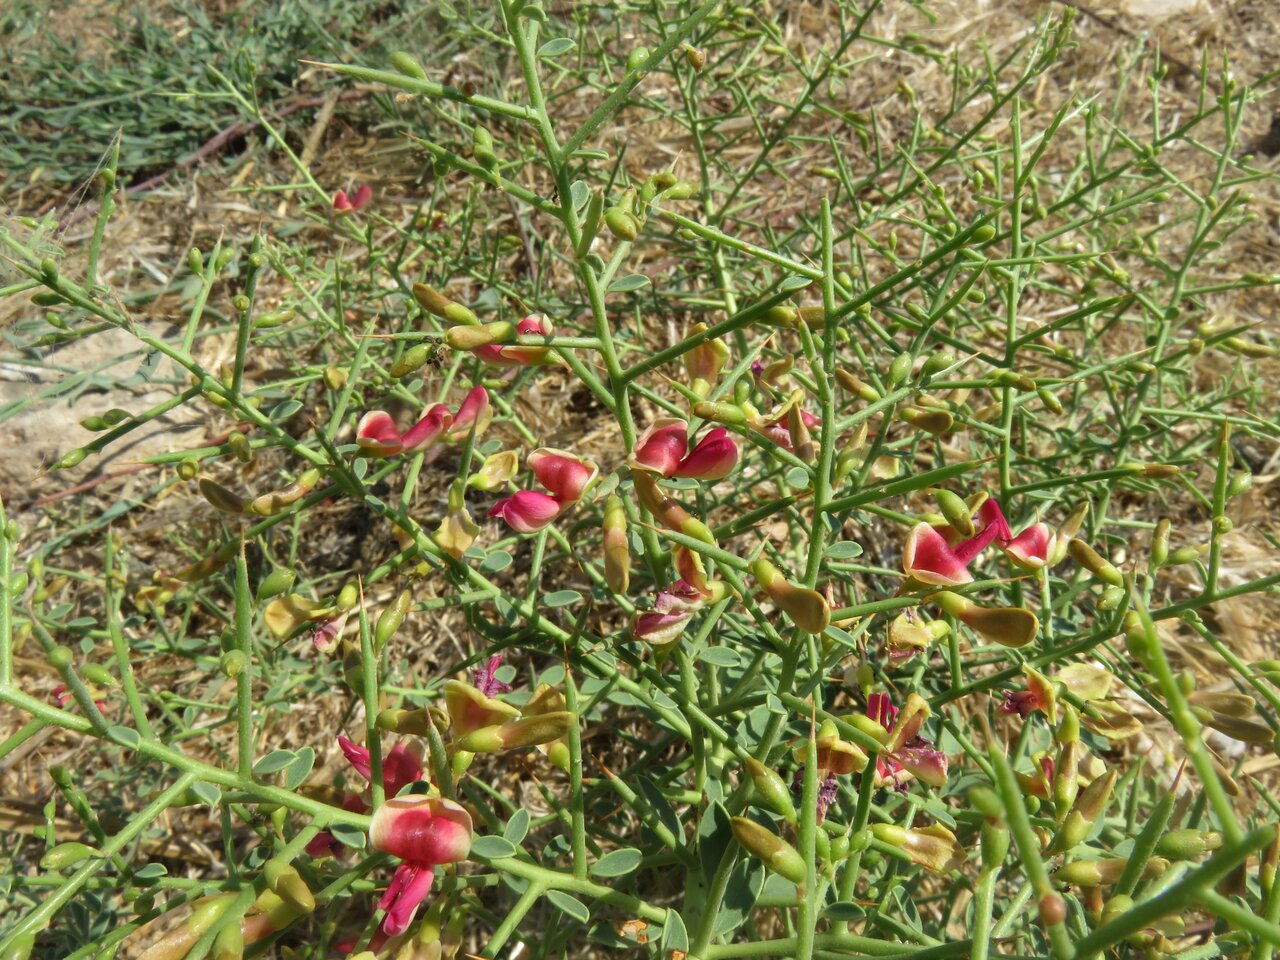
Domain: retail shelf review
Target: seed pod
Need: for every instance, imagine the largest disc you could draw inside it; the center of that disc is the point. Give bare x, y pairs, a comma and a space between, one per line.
405, 64
770, 789
983, 234
67, 854
1111, 598
636, 59
390, 620
720, 412
285, 882
1009, 378
1160, 543
71, 459
994, 844
221, 498
1238, 484
696, 57
938, 361
1050, 400
932, 421
955, 510
97, 673
1187, 844
269, 504
1092, 561
278, 581
348, 596
622, 224
482, 148
617, 545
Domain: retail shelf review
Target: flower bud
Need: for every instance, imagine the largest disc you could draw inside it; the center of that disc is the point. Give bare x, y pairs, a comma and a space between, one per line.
405, 64
334, 378
412, 360
617, 547
622, 224
1092, 561
667, 511
390, 619
67, 855
994, 844
863, 391
932, 421
1187, 844
770, 789
955, 510
516, 734
483, 335
1007, 626
808, 609
1187, 554
934, 847
496, 472
285, 882
209, 565
1093, 873
899, 369
720, 412
762, 843
270, 504
434, 302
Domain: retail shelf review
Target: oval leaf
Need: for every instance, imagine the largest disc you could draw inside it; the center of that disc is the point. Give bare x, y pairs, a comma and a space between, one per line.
569, 906
493, 848
617, 862
554, 48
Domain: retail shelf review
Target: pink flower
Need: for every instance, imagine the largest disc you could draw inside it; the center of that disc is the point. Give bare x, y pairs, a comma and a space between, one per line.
377, 436
424, 832
400, 767
779, 431
485, 678
567, 477
527, 511
514, 355
474, 410
342, 204
906, 754
930, 558
711, 459
661, 450
661, 447
672, 611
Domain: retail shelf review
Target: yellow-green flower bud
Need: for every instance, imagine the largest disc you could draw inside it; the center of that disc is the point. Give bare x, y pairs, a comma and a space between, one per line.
762, 843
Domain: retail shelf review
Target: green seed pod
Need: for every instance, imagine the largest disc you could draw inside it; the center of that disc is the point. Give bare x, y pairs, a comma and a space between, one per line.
97, 673
472, 337
1238, 484
622, 224
195, 260
94, 423
405, 64
1222, 525
241, 304
762, 843
1187, 554
937, 362
278, 581
1010, 378
47, 298
984, 233
50, 269
413, 358
899, 370
273, 318
1050, 400
61, 658
994, 840
436, 303
987, 802
1112, 597
187, 469
285, 882
233, 663
636, 58
482, 148
71, 459
390, 620
67, 854
720, 412
348, 596
681, 190
863, 391
335, 378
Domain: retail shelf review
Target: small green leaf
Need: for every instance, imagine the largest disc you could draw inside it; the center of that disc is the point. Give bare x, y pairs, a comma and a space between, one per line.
496, 561
562, 598
843, 911
579, 194
126, 735
284, 410
492, 848
348, 835
632, 281
299, 769
617, 863
207, 792
794, 283
569, 906
844, 550
274, 762
517, 827
720, 656
150, 871
556, 47
675, 936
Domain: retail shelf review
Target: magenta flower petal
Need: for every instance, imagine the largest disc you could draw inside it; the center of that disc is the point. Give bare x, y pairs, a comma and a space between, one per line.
567, 476
661, 447
714, 456
409, 887
930, 559
527, 511
400, 767
1030, 549
357, 756
473, 411
428, 430
362, 197
660, 628
925, 763
377, 435
421, 829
